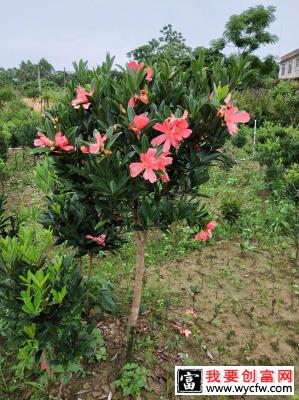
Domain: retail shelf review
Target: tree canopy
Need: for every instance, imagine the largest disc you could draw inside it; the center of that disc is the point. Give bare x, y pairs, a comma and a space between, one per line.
171, 45
248, 30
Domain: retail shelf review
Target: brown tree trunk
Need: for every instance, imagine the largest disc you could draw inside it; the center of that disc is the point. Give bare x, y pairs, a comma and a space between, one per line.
139, 271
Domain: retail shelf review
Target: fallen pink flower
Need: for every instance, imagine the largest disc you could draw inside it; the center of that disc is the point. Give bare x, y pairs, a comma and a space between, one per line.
94, 148
99, 239
139, 122
43, 140
185, 332
206, 233
43, 366
149, 164
174, 131
62, 142
232, 116
211, 225
82, 98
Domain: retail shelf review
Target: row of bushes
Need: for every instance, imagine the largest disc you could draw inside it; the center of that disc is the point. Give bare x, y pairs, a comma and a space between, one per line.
17, 126
279, 104
277, 150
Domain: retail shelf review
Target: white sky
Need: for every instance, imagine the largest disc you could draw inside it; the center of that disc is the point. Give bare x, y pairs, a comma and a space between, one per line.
67, 30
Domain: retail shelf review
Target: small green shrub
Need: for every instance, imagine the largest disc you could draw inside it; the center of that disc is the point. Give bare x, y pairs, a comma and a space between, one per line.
42, 301
9, 224
277, 150
100, 296
231, 210
3, 145
133, 379
7, 94
18, 125
241, 139
4, 173
292, 183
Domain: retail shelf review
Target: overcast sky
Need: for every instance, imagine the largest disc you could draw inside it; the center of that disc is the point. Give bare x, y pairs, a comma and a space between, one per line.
67, 30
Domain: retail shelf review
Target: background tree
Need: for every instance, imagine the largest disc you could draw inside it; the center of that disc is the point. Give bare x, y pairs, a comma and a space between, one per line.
46, 69
171, 46
247, 31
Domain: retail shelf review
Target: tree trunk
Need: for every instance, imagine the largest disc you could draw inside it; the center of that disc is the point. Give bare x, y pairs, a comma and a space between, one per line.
139, 271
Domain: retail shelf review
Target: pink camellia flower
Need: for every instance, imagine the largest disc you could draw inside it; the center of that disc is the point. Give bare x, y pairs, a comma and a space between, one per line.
62, 142
99, 239
94, 148
149, 74
132, 101
143, 97
43, 366
232, 116
149, 164
139, 122
82, 99
165, 177
43, 140
134, 65
138, 68
174, 131
206, 233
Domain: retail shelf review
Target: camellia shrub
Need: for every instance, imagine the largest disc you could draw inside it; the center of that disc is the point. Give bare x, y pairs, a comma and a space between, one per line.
277, 149
129, 152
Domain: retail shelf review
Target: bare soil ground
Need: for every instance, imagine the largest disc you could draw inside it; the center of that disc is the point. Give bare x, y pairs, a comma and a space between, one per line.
256, 324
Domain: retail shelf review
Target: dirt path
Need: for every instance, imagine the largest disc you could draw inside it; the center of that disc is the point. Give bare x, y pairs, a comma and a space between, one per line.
35, 104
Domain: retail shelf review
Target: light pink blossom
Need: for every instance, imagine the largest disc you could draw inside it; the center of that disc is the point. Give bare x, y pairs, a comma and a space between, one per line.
62, 142
232, 116
94, 148
139, 122
98, 239
150, 164
43, 140
139, 67
149, 74
81, 98
174, 130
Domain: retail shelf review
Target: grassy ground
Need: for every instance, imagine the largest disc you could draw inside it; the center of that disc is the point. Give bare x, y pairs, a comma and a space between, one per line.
234, 293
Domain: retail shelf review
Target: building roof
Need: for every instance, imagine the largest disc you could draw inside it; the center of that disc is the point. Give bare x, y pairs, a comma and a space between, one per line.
290, 55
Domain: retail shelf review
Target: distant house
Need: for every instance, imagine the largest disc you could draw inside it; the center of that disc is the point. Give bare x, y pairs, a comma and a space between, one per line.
289, 65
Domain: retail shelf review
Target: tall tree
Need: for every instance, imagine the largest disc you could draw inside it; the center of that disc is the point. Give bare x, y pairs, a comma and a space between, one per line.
46, 69
171, 45
248, 30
